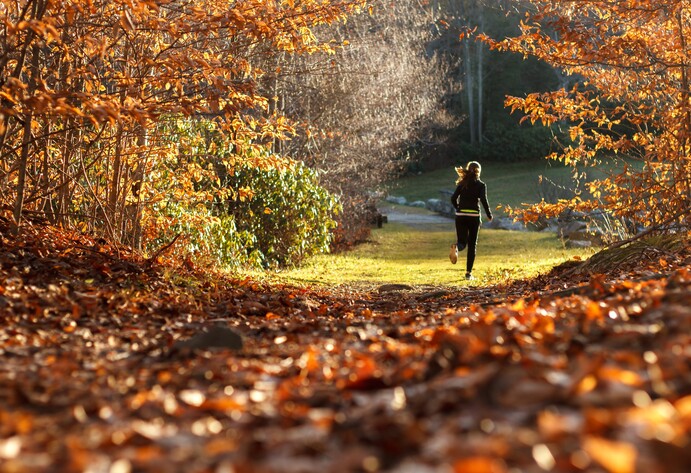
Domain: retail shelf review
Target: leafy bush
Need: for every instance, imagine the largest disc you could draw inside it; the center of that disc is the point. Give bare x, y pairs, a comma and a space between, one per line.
245, 207
510, 143
290, 215
207, 239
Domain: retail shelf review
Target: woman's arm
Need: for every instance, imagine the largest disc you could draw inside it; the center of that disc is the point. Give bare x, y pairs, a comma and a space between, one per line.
485, 203
454, 197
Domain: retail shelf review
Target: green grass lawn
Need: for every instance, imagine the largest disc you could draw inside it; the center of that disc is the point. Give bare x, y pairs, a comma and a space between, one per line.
507, 183
419, 256
400, 253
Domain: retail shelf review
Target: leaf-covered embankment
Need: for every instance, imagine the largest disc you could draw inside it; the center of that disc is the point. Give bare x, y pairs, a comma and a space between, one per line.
566, 372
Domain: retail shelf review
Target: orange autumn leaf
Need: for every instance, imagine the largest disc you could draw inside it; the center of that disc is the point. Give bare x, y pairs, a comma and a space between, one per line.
479, 464
683, 406
594, 311
614, 456
613, 373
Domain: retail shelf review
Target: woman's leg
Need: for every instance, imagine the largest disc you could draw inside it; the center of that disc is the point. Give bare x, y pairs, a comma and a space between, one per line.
473, 228
461, 232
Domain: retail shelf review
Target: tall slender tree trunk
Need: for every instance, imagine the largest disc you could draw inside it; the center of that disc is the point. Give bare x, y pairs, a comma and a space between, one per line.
114, 190
4, 125
480, 70
21, 177
63, 190
48, 207
469, 90
138, 176
27, 139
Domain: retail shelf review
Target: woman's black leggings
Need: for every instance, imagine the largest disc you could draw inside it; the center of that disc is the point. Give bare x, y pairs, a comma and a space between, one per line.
467, 230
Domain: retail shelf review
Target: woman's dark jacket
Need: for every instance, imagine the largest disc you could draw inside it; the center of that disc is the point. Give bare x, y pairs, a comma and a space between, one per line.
466, 200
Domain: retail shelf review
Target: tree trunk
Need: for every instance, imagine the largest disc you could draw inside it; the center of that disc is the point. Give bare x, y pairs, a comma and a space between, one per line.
138, 176
26, 145
48, 207
480, 79
111, 219
21, 179
683, 173
469, 90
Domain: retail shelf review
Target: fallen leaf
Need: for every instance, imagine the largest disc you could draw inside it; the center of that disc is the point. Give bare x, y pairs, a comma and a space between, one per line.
614, 456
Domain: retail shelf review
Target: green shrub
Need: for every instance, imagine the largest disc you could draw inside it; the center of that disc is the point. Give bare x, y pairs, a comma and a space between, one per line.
517, 144
244, 208
290, 216
509, 143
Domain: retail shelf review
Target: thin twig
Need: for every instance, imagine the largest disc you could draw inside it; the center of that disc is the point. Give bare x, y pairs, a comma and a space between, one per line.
160, 251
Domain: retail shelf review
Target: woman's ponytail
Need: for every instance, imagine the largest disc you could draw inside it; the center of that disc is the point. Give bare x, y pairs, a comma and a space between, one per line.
471, 173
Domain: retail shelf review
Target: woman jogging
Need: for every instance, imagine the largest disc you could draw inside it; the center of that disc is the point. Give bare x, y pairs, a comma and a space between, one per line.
470, 192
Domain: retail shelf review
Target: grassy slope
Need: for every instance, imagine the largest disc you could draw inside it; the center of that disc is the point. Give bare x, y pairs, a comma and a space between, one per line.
400, 253
507, 183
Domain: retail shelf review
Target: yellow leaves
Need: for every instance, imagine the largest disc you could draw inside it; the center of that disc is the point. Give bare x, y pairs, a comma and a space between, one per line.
238, 18
11, 99
245, 193
626, 102
167, 46
43, 28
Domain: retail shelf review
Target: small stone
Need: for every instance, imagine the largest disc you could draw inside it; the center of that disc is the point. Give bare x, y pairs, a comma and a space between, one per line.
578, 244
395, 287
397, 200
214, 337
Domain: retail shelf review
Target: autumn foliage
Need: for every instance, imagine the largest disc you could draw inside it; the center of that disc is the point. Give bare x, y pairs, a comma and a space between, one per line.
629, 61
91, 94
117, 362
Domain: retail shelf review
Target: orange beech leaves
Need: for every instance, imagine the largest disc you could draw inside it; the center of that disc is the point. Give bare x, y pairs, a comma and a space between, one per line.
112, 364
90, 93
627, 96
137, 59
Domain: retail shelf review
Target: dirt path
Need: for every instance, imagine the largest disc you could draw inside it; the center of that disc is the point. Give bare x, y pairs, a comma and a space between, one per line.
414, 216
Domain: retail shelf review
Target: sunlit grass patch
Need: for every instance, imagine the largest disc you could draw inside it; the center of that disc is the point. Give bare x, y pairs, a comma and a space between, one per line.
403, 254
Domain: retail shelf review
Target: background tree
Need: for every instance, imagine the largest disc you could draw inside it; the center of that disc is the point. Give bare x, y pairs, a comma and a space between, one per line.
483, 78
632, 102
368, 110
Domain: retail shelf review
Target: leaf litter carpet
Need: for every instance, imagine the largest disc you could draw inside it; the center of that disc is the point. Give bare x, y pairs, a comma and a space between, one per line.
115, 364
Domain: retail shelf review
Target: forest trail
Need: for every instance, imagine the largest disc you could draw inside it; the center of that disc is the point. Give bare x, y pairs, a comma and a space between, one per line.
111, 363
